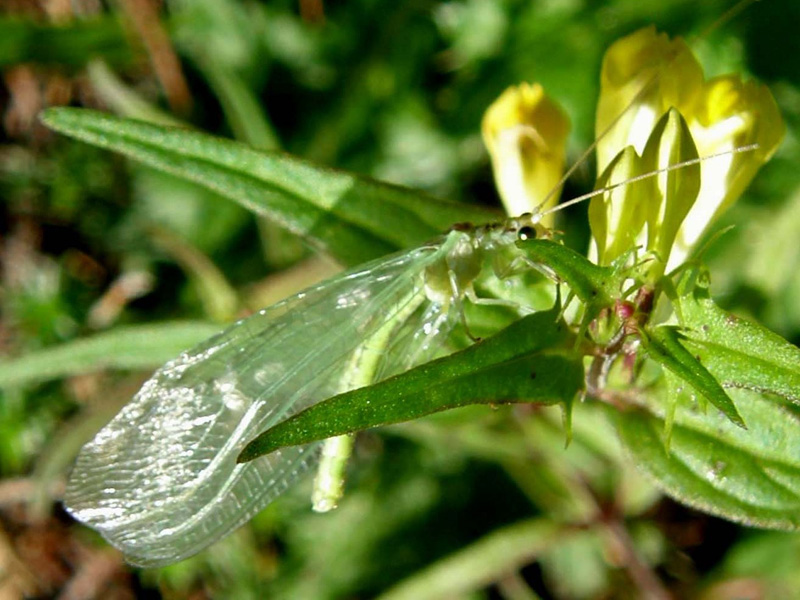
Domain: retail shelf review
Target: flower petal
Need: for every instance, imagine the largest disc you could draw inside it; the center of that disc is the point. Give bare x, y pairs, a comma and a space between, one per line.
729, 114
525, 133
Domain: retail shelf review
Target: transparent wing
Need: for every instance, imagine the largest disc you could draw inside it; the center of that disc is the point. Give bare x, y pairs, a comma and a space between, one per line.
160, 481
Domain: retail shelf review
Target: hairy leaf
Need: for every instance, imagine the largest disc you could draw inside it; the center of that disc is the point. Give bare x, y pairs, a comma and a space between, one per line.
663, 344
738, 352
752, 476
354, 218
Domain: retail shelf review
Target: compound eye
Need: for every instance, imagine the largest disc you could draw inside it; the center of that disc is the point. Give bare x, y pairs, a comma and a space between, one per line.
526, 233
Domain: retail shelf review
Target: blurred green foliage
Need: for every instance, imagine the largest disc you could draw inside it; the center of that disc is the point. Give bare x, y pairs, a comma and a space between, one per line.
396, 90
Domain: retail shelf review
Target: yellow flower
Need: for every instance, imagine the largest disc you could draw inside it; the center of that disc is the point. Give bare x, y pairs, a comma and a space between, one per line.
645, 77
650, 211
525, 133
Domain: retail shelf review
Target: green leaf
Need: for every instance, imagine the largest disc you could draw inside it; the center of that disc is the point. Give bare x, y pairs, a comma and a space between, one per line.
354, 218
217, 295
771, 557
752, 476
596, 286
243, 109
483, 562
132, 347
738, 352
509, 367
664, 346
123, 99
589, 282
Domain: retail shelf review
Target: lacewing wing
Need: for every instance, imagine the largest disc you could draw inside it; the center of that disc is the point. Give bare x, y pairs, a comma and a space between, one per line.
160, 481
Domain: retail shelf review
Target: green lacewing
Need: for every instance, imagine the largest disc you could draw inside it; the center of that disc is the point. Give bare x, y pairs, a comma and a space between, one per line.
161, 481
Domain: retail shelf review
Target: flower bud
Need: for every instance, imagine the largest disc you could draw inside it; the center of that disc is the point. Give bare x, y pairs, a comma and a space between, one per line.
617, 217
648, 212
672, 193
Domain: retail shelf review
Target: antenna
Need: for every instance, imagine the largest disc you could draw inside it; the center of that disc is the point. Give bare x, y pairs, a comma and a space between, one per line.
649, 174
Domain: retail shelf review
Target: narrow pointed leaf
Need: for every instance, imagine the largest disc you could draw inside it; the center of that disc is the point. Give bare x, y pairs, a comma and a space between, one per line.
354, 218
131, 347
738, 352
509, 367
596, 286
663, 344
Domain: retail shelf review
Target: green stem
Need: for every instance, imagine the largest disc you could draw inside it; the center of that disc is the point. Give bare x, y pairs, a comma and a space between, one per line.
329, 481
